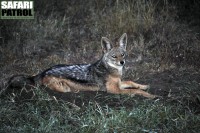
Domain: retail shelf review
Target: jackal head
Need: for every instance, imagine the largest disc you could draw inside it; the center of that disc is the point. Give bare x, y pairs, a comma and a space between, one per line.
114, 56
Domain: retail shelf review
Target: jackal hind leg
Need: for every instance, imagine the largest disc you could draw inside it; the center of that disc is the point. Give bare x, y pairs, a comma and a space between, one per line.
56, 84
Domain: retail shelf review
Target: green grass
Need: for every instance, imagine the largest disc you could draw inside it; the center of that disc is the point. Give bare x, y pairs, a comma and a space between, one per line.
98, 112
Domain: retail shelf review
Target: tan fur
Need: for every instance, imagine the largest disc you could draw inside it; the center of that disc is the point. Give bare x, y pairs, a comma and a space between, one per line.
64, 85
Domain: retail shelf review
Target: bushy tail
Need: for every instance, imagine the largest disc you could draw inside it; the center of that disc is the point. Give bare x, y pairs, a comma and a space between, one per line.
19, 81
21, 85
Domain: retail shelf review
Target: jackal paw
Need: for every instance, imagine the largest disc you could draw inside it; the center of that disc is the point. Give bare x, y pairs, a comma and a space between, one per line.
152, 96
144, 87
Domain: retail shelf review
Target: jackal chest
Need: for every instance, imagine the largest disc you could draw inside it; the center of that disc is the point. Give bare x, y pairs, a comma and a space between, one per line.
113, 81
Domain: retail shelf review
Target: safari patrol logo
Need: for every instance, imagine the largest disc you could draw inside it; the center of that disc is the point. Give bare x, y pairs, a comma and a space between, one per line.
17, 10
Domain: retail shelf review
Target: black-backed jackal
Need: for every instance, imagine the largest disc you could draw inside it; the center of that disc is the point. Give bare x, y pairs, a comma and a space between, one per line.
103, 75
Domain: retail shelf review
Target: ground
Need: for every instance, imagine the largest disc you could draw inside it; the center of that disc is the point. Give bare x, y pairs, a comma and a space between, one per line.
177, 110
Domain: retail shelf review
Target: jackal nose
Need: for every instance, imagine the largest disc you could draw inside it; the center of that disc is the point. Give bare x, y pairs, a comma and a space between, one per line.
122, 62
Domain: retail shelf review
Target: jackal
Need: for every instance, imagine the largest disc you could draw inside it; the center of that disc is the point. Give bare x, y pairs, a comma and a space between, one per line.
103, 75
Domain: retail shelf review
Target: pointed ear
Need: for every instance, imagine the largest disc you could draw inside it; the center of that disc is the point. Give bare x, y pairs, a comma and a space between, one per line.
105, 44
123, 41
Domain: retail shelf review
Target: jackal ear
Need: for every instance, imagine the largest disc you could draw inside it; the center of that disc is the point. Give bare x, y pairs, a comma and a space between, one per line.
123, 41
105, 44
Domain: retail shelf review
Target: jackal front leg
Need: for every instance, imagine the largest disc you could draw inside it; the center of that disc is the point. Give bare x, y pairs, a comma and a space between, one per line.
132, 88
131, 84
127, 89
116, 90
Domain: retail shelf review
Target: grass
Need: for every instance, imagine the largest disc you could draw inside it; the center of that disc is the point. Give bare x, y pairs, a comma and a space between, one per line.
163, 51
44, 113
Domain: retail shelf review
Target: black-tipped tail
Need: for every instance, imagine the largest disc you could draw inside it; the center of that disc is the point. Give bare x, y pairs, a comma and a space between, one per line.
19, 81
20, 86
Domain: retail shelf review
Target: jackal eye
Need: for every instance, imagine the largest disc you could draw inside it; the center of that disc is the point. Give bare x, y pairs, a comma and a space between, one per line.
114, 56
122, 54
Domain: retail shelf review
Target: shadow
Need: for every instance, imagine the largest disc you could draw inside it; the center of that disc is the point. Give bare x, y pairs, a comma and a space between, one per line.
176, 86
